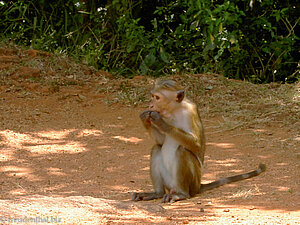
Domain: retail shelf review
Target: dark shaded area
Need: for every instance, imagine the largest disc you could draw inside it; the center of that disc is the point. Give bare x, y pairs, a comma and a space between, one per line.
252, 40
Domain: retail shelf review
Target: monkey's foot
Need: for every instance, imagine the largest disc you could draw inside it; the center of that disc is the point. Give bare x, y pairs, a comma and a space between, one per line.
145, 196
173, 197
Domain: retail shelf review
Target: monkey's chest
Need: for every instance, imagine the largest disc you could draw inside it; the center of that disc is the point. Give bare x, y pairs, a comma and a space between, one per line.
170, 160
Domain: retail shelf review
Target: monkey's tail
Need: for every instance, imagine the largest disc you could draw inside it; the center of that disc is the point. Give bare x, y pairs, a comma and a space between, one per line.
227, 180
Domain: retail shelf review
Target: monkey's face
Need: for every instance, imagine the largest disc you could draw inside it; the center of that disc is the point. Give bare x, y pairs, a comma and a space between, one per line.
164, 102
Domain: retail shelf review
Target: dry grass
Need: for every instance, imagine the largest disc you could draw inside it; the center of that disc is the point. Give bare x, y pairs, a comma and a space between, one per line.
239, 104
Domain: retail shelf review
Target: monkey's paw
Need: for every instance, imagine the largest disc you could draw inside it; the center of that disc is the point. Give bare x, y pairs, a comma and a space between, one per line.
173, 197
156, 119
155, 116
145, 115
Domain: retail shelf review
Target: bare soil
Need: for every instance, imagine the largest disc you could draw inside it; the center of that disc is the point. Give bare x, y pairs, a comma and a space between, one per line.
72, 148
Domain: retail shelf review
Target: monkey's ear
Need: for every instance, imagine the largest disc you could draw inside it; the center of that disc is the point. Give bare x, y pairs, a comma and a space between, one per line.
180, 96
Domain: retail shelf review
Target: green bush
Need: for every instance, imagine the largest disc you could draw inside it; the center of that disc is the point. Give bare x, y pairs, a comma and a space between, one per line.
245, 39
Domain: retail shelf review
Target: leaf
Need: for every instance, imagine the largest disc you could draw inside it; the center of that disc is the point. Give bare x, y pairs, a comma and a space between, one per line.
277, 17
221, 27
220, 52
131, 47
266, 50
143, 68
194, 25
34, 22
154, 23
210, 46
183, 18
232, 38
163, 56
150, 59
198, 5
198, 42
211, 37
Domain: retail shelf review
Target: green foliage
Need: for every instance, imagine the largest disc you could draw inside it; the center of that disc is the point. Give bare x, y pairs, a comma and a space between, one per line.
248, 39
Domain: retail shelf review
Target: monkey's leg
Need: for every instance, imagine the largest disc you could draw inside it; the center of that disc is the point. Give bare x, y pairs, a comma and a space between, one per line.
188, 177
155, 169
145, 196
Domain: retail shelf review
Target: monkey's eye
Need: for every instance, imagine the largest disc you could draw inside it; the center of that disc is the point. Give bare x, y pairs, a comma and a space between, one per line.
156, 97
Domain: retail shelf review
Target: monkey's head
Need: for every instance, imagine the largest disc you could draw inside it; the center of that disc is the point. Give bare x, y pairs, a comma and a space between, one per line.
166, 97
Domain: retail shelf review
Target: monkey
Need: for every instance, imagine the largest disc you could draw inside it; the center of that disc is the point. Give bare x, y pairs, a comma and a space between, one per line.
177, 157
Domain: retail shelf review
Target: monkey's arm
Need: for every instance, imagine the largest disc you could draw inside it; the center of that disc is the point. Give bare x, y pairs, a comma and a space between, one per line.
158, 136
189, 141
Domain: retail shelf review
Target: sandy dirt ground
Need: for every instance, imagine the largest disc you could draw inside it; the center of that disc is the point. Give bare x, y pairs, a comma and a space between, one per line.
69, 157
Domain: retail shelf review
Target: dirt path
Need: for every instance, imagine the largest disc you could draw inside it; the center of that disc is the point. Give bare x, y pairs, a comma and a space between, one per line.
68, 157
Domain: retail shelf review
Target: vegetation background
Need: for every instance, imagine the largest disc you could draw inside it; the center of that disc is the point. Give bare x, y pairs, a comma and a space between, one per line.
242, 39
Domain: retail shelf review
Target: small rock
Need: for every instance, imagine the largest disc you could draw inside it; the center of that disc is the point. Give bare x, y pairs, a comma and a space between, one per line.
82, 97
120, 117
201, 210
226, 210
209, 87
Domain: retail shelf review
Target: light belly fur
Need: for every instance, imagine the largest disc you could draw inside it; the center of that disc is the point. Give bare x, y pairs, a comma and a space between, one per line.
170, 163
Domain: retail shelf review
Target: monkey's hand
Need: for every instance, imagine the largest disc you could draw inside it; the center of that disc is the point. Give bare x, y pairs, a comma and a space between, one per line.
156, 119
145, 117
